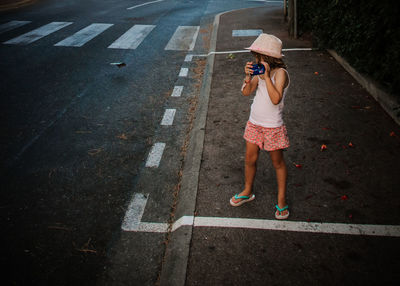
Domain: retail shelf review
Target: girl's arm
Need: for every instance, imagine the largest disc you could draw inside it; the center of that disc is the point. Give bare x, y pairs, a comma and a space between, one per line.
250, 84
275, 91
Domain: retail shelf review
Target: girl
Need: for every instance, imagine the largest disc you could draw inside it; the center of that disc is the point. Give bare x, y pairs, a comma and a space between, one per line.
265, 128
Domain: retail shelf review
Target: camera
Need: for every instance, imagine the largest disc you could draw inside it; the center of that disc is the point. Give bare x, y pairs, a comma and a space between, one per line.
258, 69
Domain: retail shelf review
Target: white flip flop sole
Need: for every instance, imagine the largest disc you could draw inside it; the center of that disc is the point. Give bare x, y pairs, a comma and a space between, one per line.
252, 197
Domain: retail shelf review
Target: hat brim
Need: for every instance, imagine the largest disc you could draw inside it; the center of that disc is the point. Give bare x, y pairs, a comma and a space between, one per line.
263, 53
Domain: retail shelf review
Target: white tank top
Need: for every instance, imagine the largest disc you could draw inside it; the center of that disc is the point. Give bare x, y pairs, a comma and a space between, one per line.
263, 111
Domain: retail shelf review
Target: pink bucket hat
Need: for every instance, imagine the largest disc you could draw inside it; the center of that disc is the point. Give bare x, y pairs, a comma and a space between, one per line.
267, 45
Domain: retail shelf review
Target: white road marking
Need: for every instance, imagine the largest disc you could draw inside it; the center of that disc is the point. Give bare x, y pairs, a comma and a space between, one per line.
83, 36
248, 51
188, 58
246, 33
295, 226
140, 5
134, 213
38, 33
183, 72
177, 92
183, 39
12, 25
154, 158
168, 117
133, 37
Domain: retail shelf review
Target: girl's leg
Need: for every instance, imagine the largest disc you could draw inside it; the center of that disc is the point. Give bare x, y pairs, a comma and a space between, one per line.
252, 151
281, 174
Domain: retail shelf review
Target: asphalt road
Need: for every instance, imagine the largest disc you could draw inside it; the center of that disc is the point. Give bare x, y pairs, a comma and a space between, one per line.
76, 132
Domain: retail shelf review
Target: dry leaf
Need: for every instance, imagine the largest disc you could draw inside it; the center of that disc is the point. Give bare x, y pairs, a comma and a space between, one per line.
122, 136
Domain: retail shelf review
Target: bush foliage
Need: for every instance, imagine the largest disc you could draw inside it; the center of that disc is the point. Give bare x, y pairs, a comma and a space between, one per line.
365, 32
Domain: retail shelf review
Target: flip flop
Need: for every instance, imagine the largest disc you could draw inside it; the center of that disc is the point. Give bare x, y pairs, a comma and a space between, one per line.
244, 199
278, 213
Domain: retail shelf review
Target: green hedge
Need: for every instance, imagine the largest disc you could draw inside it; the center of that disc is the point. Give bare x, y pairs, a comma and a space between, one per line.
365, 33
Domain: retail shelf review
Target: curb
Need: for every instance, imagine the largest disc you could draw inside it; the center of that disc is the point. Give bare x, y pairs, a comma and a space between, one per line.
16, 5
388, 102
173, 272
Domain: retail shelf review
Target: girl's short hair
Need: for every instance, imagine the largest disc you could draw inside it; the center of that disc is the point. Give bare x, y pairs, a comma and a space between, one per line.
273, 62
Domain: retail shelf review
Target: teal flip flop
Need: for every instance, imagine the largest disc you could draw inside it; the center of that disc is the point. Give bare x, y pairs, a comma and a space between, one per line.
278, 213
244, 199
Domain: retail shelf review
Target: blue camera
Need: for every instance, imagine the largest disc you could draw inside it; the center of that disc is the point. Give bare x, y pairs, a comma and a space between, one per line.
258, 69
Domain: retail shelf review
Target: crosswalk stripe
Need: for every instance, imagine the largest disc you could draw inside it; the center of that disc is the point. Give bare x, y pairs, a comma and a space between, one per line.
12, 25
38, 33
183, 39
133, 37
83, 36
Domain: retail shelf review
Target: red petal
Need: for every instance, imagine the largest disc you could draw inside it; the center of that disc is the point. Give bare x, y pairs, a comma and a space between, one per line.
323, 147
344, 197
351, 145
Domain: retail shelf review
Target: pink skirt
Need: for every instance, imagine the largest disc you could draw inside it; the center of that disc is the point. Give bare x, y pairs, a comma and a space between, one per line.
269, 139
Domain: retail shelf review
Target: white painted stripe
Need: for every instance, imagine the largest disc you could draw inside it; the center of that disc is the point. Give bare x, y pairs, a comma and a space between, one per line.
183, 39
295, 226
144, 4
247, 51
151, 227
83, 36
183, 72
154, 158
246, 33
38, 33
12, 25
177, 92
188, 58
133, 37
134, 213
168, 117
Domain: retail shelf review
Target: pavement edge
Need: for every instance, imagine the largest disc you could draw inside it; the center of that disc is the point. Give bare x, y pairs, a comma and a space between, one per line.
175, 263
386, 100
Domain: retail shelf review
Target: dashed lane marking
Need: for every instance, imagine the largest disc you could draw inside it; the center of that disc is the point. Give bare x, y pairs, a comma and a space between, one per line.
12, 25
155, 155
183, 72
183, 39
83, 36
168, 117
177, 92
133, 37
135, 211
188, 58
38, 33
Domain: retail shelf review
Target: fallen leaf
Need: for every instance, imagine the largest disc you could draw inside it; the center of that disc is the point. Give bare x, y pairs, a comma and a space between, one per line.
122, 136
351, 145
344, 197
93, 152
316, 73
118, 64
323, 147
231, 56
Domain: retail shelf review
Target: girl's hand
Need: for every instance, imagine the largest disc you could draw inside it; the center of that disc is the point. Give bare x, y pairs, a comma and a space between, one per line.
267, 70
247, 69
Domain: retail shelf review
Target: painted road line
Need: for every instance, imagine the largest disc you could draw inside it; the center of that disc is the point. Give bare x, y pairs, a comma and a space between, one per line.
246, 33
247, 51
133, 37
168, 117
38, 33
183, 72
188, 58
152, 227
177, 92
12, 25
135, 211
83, 36
154, 158
144, 4
293, 226
183, 39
